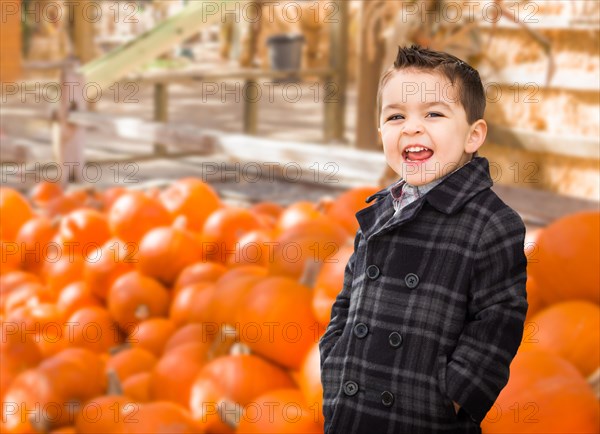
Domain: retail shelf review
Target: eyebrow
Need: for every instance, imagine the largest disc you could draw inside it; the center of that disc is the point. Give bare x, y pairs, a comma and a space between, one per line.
428, 104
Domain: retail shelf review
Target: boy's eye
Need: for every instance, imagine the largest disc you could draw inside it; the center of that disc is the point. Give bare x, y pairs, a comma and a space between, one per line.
436, 114
395, 117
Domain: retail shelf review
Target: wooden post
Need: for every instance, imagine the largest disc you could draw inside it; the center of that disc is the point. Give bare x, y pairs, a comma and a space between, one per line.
68, 138
83, 30
369, 70
251, 106
334, 92
161, 111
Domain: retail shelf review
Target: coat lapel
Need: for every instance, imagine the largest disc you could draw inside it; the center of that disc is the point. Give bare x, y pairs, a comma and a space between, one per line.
448, 197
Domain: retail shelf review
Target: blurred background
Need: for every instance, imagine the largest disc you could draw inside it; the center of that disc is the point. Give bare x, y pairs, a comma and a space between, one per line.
249, 122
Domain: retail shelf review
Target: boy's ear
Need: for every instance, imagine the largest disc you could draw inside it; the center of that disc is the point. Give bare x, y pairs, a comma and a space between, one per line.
477, 134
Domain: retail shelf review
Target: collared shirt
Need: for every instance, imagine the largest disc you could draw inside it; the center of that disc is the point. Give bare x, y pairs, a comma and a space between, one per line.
404, 193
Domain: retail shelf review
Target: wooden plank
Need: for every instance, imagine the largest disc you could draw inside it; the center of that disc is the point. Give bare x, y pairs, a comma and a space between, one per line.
161, 111
116, 64
571, 146
525, 78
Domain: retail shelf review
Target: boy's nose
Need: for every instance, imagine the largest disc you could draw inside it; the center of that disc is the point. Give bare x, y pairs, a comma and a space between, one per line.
413, 127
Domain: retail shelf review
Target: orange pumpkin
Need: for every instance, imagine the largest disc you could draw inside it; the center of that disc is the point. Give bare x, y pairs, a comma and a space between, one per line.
111, 261
93, 328
241, 378
166, 251
188, 334
74, 297
253, 248
191, 303
44, 191
545, 393
11, 257
223, 229
174, 373
535, 297
316, 240
67, 269
13, 204
84, 230
134, 214
309, 381
106, 414
277, 320
570, 329
192, 198
280, 411
163, 418
206, 398
271, 209
566, 262
134, 297
137, 386
345, 206
131, 361
329, 283
33, 241
295, 214
199, 272
12, 280
152, 335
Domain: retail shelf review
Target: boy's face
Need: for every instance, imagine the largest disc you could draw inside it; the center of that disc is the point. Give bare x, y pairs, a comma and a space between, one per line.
422, 108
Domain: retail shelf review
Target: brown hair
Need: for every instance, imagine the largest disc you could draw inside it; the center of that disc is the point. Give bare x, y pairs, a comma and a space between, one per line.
460, 74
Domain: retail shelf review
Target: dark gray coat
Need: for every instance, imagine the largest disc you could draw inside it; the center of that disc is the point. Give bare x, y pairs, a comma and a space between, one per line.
432, 310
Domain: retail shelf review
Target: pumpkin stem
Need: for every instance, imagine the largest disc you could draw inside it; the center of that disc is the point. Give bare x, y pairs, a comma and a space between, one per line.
594, 381
223, 343
142, 312
114, 383
118, 348
239, 349
323, 204
230, 417
310, 273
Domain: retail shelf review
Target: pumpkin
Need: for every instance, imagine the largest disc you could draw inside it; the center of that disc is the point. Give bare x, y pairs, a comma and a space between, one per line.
316, 240
277, 320
11, 257
229, 292
106, 414
165, 251
567, 258
192, 198
163, 418
271, 209
206, 400
152, 335
111, 261
535, 297
570, 329
329, 283
241, 378
134, 214
253, 248
33, 241
545, 393
74, 297
309, 381
199, 272
280, 411
174, 373
68, 268
223, 229
26, 294
84, 231
13, 204
190, 333
191, 303
297, 213
131, 361
111, 195
134, 297
346, 205
137, 386
44, 191
93, 328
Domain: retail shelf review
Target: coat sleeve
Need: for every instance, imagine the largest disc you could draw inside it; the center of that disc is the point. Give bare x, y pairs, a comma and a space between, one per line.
478, 369
339, 310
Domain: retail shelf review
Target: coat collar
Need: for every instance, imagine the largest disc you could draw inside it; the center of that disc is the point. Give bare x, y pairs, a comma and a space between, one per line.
447, 197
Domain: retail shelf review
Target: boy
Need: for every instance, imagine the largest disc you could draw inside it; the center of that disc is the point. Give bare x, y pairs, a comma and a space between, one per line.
433, 304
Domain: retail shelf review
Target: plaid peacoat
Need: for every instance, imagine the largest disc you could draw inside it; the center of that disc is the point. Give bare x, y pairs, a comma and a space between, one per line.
432, 310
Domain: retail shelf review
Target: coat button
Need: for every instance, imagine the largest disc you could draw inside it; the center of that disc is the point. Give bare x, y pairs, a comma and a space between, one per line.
361, 330
411, 280
373, 272
387, 398
350, 388
395, 339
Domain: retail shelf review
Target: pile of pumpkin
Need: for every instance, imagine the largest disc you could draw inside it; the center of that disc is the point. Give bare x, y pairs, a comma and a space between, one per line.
171, 311
166, 311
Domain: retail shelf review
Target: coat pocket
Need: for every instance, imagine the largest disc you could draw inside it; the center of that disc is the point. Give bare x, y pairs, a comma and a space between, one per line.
442, 362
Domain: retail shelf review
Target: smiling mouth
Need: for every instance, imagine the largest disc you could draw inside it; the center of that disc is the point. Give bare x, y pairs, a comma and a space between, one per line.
417, 154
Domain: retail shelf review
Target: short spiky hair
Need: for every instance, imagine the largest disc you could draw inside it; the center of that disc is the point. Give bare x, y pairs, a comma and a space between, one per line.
460, 74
